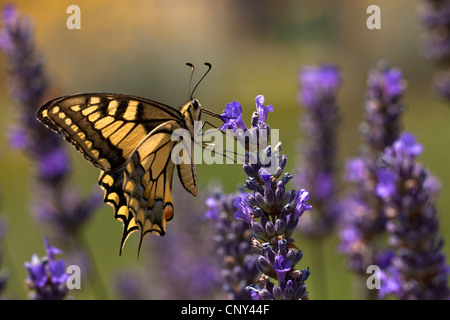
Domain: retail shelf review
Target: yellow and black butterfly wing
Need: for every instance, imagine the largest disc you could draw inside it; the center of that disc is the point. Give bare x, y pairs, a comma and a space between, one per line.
130, 140
147, 181
112, 184
105, 127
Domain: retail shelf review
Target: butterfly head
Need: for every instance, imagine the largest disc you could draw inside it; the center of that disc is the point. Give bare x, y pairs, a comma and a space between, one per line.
192, 107
191, 110
195, 104
196, 108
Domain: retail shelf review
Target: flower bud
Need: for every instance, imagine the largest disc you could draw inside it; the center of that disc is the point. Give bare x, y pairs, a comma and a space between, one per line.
288, 291
279, 226
277, 293
263, 264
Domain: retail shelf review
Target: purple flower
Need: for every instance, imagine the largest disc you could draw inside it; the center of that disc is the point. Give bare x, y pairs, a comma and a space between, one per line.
266, 178
243, 212
386, 84
18, 138
261, 109
10, 16
407, 144
56, 203
271, 213
232, 116
393, 82
300, 204
318, 83
435, 16
212, 203
355, 170
363, 215
281, 267
46, 276
254, 140
54, 164
51, 251
232, 239
387, 183
390, 283
317, 170
418, 270
28, 84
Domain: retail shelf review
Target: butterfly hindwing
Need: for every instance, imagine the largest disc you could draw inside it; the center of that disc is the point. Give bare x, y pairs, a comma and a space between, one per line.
112, 184
147, 181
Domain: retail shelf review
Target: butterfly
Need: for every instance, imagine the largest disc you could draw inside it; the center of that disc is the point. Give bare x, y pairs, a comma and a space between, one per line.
129, 139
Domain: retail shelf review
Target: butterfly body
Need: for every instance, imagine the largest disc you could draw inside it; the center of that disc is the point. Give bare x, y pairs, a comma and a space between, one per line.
130, 140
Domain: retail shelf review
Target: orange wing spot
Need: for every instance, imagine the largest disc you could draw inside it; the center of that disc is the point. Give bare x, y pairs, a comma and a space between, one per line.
168, 212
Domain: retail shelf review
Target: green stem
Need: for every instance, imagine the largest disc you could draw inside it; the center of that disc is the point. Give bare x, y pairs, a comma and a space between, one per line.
319, 268
95, 277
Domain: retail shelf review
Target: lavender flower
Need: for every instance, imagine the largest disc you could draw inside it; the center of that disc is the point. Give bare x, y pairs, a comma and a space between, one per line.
233, 239
232, 117
252, 139
319, 86
418, 269
272, 214
56, 202
435, 17
363, 220
47, 276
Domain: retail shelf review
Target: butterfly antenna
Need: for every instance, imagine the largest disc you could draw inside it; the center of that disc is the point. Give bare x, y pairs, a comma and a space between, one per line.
190, 80
209, 68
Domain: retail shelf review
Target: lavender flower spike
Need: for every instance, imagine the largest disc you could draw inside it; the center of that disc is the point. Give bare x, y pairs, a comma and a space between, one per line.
233, 240
363, 218
316, 172
418, 270
435, 17
47, 276
272, 213
56, 203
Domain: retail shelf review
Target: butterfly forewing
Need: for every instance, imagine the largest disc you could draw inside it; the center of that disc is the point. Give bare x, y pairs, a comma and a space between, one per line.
105, 128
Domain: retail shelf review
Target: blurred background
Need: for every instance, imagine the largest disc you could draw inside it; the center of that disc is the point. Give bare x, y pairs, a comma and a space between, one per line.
255, 47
